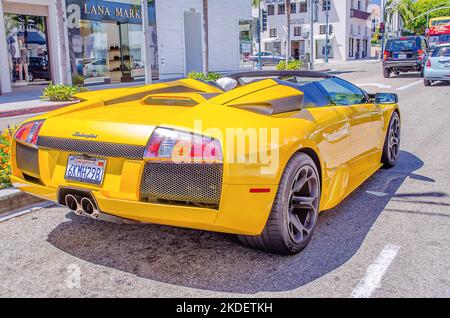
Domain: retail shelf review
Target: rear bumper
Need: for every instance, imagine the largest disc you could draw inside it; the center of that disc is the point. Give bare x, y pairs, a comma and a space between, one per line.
240, 212
437, 75
413, 64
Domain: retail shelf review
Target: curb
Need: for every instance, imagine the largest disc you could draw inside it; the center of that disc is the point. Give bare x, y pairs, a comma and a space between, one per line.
34, 110
13, 199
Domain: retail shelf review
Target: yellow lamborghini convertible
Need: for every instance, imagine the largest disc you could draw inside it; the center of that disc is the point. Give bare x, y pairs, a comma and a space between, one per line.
258, 154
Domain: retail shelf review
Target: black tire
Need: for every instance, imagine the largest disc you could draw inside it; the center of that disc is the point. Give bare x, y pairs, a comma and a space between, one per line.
30, 77
293, 217
426, 82
391, 146
386, 73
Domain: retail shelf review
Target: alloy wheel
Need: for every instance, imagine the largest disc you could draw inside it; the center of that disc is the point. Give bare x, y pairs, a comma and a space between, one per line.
394, 139
303, 204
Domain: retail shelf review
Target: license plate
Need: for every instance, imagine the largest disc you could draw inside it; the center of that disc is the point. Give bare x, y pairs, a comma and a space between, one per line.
402, 56
85, 169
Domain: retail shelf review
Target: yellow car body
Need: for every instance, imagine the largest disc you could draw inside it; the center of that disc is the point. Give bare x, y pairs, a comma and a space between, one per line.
346, 143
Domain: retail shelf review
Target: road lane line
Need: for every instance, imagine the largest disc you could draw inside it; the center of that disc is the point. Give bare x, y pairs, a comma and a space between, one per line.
374, 84
375, 272
408, 85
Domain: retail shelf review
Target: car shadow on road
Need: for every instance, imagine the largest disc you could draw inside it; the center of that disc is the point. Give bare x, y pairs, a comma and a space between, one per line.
217, 262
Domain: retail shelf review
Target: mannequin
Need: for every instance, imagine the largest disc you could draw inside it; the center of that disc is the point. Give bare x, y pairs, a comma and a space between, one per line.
23, 60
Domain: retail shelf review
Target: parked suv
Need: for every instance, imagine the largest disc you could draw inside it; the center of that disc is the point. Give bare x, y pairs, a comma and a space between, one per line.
404, 54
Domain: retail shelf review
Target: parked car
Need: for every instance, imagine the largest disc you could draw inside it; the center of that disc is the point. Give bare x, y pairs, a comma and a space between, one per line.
95, 67
142, 158
437, 66
267, 58
404, 54
38, 67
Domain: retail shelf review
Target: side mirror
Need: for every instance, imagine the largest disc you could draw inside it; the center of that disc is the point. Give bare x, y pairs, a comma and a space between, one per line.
386, 98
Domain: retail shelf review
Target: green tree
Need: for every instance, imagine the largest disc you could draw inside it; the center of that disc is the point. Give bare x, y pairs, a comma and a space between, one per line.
404, 8
420, 8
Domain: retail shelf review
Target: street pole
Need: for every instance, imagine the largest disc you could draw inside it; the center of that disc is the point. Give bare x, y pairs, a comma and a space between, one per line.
311, 34
146, 45
259, 36
382, 34
288, 35
326, 36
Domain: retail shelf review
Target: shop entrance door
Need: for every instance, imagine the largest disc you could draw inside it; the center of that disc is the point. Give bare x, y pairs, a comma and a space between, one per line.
193, 42
28, 58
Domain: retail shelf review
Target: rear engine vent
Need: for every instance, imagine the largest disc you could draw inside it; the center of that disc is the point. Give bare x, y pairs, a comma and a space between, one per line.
193, 183
27, 159
170, 101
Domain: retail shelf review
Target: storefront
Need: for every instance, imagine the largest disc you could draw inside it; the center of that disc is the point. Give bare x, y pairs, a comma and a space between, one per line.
102, 42
105, 40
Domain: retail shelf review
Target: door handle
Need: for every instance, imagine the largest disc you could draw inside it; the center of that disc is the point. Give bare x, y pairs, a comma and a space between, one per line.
341, 132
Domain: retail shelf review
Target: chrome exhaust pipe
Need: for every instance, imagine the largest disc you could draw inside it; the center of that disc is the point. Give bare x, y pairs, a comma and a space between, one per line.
89, 208
73, 203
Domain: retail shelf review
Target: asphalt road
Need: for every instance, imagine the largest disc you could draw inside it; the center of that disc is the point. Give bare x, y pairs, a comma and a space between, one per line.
390, 238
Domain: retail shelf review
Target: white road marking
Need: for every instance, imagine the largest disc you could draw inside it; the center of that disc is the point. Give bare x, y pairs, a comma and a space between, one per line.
409, 85
377, 193
375, 84
374, 273
25, 210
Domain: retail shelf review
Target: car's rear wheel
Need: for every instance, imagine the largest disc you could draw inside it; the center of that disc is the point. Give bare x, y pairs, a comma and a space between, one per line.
426, 82
293, 217
391, 147
386, 73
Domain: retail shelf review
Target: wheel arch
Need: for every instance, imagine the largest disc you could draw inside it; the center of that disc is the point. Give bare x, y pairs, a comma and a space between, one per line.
315, 157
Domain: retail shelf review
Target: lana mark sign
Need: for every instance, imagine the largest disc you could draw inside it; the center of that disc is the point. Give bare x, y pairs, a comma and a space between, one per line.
105, 11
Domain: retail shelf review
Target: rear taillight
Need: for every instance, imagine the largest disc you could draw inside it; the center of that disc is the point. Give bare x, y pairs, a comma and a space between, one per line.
28, 133
386, 54
180, 147
428, 63
420, 53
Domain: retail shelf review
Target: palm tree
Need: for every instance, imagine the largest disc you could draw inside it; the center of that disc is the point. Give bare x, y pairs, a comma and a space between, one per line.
205, 39
404, 9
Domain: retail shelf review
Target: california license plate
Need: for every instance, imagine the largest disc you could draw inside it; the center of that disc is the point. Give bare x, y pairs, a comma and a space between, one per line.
402, 56
85, 169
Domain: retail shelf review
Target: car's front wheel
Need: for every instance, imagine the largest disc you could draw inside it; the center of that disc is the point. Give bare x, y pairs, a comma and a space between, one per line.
293, 217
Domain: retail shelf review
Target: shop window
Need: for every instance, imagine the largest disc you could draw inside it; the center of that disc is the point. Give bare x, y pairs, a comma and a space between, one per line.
26, 39
322, 29
110, 50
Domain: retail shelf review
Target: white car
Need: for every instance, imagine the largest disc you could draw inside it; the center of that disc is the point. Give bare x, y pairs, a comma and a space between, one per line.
437, 66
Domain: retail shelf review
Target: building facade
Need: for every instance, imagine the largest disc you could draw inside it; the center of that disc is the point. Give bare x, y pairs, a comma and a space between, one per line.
96, 41
349, 37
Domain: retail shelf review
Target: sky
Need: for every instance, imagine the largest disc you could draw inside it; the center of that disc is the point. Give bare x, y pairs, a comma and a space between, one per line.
376, 1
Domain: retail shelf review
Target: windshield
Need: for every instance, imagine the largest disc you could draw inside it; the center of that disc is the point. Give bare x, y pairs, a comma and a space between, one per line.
441, 51
403, 44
